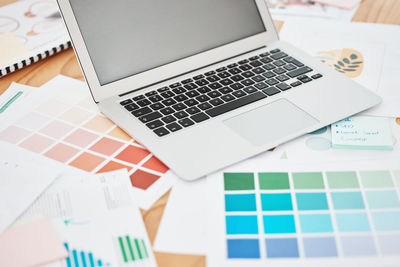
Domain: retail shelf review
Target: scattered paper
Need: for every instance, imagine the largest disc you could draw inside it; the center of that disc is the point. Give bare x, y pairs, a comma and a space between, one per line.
284, 213
362, 132
60, 121
183, 226
97, 219
21, 182
31, 244
364, 52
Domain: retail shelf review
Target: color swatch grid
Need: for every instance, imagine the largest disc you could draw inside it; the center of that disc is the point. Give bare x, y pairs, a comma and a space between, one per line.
312, 214
69, 128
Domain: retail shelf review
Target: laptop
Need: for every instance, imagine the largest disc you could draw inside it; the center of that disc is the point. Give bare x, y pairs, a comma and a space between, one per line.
204, 84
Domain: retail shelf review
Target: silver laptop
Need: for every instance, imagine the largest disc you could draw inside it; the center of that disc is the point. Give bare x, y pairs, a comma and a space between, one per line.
204, 83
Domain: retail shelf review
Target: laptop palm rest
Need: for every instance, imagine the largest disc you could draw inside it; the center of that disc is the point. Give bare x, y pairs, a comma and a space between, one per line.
270, 122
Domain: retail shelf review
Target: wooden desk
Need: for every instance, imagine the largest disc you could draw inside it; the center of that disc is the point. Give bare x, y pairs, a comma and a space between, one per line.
375, 11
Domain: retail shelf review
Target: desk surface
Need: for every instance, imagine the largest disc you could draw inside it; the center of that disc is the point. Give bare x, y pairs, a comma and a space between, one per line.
375, 11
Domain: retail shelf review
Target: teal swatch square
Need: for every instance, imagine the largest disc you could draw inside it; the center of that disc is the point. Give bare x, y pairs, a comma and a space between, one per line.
237, 224
316, 223
386, 221
347, 200
382, 199
311, 201
352, 222
274, 202
279, 224
240, 202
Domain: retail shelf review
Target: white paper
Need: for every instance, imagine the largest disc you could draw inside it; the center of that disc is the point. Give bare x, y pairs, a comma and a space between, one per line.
72, 94
90, 213
183, 226
21, 182
375, 45
217, 254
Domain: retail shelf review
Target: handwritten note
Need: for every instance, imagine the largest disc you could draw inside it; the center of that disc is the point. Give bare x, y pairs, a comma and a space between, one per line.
362, 132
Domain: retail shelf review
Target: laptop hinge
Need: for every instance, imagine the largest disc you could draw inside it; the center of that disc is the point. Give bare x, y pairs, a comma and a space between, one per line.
217, 62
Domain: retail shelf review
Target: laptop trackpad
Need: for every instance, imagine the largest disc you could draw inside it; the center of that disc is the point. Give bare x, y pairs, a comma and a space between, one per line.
270, 122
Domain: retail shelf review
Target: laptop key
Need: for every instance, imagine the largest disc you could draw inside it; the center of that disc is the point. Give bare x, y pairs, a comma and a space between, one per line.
198, 77
190, 86
167, 94
186, 122
204, 90
224, 74
187, 81
155, 98
279, 63
250, 90
202, 82
221, 69
255, 63
248, 82
233, 65
154, 124
269, 74
173, 127
192, 110
225, 90
248, 74
163, 89
245, 67
216, 102
279, 55
271, 91
265, 54
258, 78
306, 80
266, 60
179, 106
235, 104
175, 85
168, 119
161, 131
214, 94
295, 73
254, 58
279, 71
239, 93
237, 78
261, 86
131, 107
209, 73
293, 61
226, 82
289, 67
244, 61
204, 106
202, 98
213, 78
151, 93
167, 111
235, 71
179, 90
181, 115
282, 78
169, 102
181, 98
272, 81
227, 97
296, 83
143, 102
191, 102
126, 102
269, 66
157, 106
215, 85
200, 117
192, 94
150, 117
141, 111
236, 86
258, 70
139, 97
276, 50
316, 76
283, 86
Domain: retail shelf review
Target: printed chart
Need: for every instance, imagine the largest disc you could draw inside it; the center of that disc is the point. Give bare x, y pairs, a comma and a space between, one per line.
65, 125
327, 215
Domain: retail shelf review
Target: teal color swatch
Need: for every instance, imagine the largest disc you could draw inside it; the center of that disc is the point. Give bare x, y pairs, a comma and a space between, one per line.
236, 225
239, 181
311, 201
274, 202
376, 179
382, 199
386, 221
240, 202
347, 200
315, 223
352, 222
279, 224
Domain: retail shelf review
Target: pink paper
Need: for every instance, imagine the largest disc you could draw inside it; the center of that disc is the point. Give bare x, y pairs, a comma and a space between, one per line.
345, 4
31, 244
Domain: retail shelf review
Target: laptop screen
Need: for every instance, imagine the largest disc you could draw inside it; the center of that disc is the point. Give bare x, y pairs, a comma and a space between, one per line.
127, 37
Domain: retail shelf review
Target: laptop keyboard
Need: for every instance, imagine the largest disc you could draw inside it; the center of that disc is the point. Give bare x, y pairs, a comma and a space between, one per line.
197, 99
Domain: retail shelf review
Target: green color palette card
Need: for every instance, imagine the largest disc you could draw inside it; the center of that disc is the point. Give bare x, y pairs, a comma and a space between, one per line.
362, 132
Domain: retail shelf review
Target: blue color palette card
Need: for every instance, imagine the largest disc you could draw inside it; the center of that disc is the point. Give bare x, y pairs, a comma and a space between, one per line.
362, 132
272, 213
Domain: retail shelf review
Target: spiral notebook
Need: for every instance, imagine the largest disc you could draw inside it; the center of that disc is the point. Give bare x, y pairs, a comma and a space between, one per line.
30, 30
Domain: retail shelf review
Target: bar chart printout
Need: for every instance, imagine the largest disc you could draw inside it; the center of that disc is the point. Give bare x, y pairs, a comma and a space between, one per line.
79, 258
305, 215
131, 250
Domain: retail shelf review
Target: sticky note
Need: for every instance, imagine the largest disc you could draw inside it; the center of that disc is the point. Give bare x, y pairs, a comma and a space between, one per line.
362, 132
31, 244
